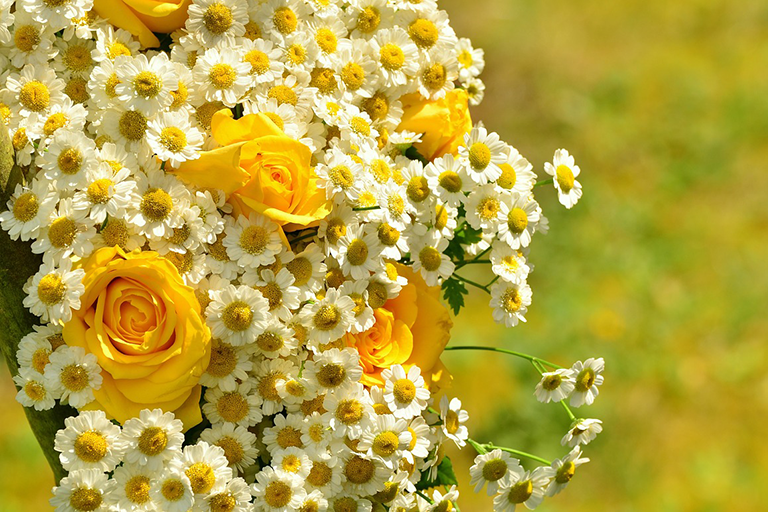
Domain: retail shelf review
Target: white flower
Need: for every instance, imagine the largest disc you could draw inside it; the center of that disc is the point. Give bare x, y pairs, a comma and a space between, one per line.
152, 439
510, 302
237, 314
564, 469
234, 497
387, 439
61, 116
583, 431
221, 75
308, 270
35, 348
57, 15
445, 501
173, 138
482, 155
238, 443
430, 260
587, 377
252, 241
28, 210
32, 42
509, 264
349, 413
72, 375
228, 364
522, 488
365, 475
454, 419
359, 253
172, 491
405, 392
335, 370
445, 179
564, 172
358, 292
105, 193
292, 460
277, 288
69, 159
83, 490
206, 468
114, 42
268, 373
516, 173
555, 386
33, 392
483, 207
264, 59
217, 23
471, 60
277, 491
518, 220
437, 74
54, 292
239, 407
133, 489
88, 441
328, 318
158, 204
492, 468
397, 56
145, 84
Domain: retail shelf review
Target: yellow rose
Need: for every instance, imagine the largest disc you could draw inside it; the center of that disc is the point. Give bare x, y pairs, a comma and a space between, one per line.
144, 326
261, 170
411, 329
442, 122
143, 17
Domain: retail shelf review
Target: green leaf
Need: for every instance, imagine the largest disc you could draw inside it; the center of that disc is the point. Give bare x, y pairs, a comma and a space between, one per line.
414, 154
445, 476
454, 292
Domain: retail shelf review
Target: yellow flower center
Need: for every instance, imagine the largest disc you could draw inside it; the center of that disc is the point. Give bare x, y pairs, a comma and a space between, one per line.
5, 113
147, 84
223, 359
324, 80
115, 233
91, 446
353, 75
283, 94
291, 463
465, 58
252, 31
326, 40
310, 506
34, 390
180, 95
385, 444
488, 208
173, 139
520, 492
77, 58
152, 441
222, 76
217, 249
137, 489
585, 379
388, 494
180, 234
258, 60
452, 422
301, 269
132, 125
377, 108
377, 294
40, 359
56, 340
285, 20
320, 474
98, 191
201, 476
74, 377
392, 57
233, 450
232, 407
517, 220
551, 382
368, 20
404, 391
357, 252
336, 227
417, 189
511, 300
26, 207
443, 506
297, 54
217, 18
85, 499
341, 176
270, 342
331, 375
388, 235
110, 84
35, 96
51, 289
26, 38
508, 177
77, 89
334, 278
62, 232
54, 122
359, 470
20, 139
156, 204
479, 156
172, 489
288, 437
346, 504
222, 502
204, 113
254, 239
70, 161
450, 181
441, 217
430, 259
349, 411
117, 49
423, 32
237, 316
278, 493
494, 470
565, 178
360, 126
565, 472
327, 317
510, 262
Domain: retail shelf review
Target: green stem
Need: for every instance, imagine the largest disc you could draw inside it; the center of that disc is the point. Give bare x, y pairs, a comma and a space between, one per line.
304, 237
477, 446
465, 280
365, 208
548, 181
424, 496
527, 357
471, 262
568, 410
519, 453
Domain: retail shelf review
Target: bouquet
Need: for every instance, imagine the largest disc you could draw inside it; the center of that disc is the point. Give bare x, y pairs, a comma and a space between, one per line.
239, 227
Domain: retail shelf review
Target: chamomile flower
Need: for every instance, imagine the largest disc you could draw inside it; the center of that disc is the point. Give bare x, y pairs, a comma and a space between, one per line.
564, 469
349, 414
329, 35
388, 437
437, 74
56, 15
325, 475
157, 205
61, 116
105, 193
475, 90
510, 302
493, 469
88, 441
83, 490
252, 241
445, 179
471, 60
335, 370
29, 210
357, 71
277, 288
68, 159
358, 292
328, 318
145, 84
405, 392
445, 501
587, 377
268, 373
583, 431
292, 460
523, 488
366, 18
34, 89
564, 172
308, 270
364, 475
172, 491
132, 489
206, 468
119, 233
173, 138
54, 292
555, 385
151, 439
228, 364
483, 207
237, 314
509, 264
339, 176
454, 419
430, 260
217, 23
482, 155
264, 59
277, 491
427, 26
74, 58
72, 375
221, 75
276, 341
239, 407
35, 348
518, 220
359, 253
516, 174
32, 390
112, 43
238, 443
314, 501
235, 497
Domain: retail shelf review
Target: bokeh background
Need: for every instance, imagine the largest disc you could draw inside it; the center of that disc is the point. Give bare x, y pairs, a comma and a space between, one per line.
660, 269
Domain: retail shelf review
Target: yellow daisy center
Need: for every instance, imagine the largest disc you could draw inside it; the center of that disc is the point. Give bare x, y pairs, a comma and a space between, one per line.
201, 476
222, 76
359, 470
62, 232
152, 441
254, 239
285, 20
360, 125
258, 60
173, 138
172, 490
20, 139
341, 176
40, 359
297, 54
34, 390
430, 259
270, 342
511, 301
368, 20
278, 494
237, 316
115, 233
479, 156
320, 474
565, 472
353, 75
324, 80
98, 191
326, 40
204, 113
585, 379
223, 359
334, 278
301, 269
349, 411
508, 177
70, 161
233, 450
110, 84
377, 108
327, 317
34, 95
417, 189
77, 58
452, 422
77, 89
357, 252
377, 294
488, 208
517, 220
465, 58
385, 444
217, 18
520, 492
565, 178
26, 38
232, 407
156, 204
51, 289
91, 446
54, 122
147, 84
494, 470
137, 489
25, 207
331, 375
252, 31
117, 49
450, 181
222, 502
423, 32
404, 391
74, 377
289, 437
283, 94
388, 235
434, 77
85, 499
180, 95
132, 125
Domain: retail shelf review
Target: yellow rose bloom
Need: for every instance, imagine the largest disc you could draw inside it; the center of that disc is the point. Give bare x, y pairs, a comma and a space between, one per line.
261, 170
143, 17
144, 326
442, 122
411, 329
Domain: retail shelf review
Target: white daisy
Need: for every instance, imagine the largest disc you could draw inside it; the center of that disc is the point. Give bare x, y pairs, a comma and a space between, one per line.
523, 488
217, 23
68, 159
308, 270
84, 490
228, 365
72, 375
238, 443
509, 264
430, 260
475, 90
292, 460
482, 155
29, 210
518, 220
587, 377
517, 174
32, 391
172, 491
437, 74
510, 302
471, 60
112, 43
252, 241
32, 42
145, 84
564, 172
583, 431
133, 488
206, 468
240, 407
173, 138
277, 491
34, 89
492, 468
454, 420
364, 475
483, 207
61, 116
359, 253
152, 439
157, 205
446, 180
54, 292
234, 497
264, 59
237, 314
88, 441
221, 75
555, 385
388, 437
564, 469
335, 369
105, 193
325, 475
405, 392
268, 373
56, 15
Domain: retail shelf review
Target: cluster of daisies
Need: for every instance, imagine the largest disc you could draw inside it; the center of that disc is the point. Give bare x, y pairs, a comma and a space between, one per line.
96, 123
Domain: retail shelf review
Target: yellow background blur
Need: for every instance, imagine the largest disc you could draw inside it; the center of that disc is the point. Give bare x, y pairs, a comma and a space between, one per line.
660, 268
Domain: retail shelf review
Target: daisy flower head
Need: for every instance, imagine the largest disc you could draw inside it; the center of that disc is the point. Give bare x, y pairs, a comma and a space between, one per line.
32, 390
471, 60
364, 475
555, 385
483, 207
350, 414
72, 375
264, 59
222, 75
339, 176
158, 203
252, 241
61, 116
583, 431
206, 468
292, 460
217, 23
152, 439
57, 15
35, 348
268, 373
238, 443
328, 318
234, 497
237, 315
518, 220
357, 71
88, 441
308, 270
366, 18
564, 470
427, 26
277, 491
359, 253
509, 264
454, 421
173, 139
145, 84
132, 489
172, 491
34, 89
397, 56
437, 74
387, 439
31, 41
445, 179
68, 159
83, 490
430, 260
54, 292
482, 155
475, 90
523, 488
335, 370
112, 43
239, 407
276, 341
277, 288
28, 210
492, 468
358, 292
105, 193
564, 172
445, 501
517, 173
587, 377
405, 392
510, 302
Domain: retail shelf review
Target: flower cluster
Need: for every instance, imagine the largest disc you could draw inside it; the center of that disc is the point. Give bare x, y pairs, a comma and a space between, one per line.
249, 229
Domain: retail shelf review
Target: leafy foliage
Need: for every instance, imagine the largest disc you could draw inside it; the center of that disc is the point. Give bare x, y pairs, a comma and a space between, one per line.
445, 476
454, 292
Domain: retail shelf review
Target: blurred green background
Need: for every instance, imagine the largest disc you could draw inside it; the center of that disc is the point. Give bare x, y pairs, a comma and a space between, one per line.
660, 268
